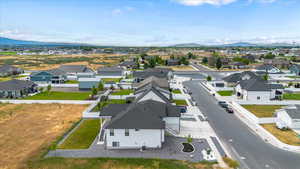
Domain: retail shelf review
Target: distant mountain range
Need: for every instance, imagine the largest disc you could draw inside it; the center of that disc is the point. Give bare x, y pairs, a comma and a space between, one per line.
15, 42
238, 44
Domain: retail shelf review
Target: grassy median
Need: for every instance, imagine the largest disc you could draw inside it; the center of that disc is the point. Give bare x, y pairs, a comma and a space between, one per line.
225, 93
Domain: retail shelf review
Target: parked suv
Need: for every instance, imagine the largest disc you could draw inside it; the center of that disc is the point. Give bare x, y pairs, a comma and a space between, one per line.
223, 104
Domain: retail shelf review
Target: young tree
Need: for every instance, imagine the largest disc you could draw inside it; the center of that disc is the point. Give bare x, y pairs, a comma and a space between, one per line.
189, 139
100, 86
41, 89
218, 63
94, 91
152, 63
208, 78
266, 76
49, 88
204, 60
190, 55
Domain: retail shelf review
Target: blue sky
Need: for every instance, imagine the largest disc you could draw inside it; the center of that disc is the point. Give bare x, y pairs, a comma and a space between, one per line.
151, 22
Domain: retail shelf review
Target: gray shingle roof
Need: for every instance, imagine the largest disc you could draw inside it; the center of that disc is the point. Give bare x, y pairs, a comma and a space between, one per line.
160, 82
15, 85
113, 109
56, 72
157, 72
9, 68
75, 68
265, 67
258, 84
147, 114
294, 113
236, 77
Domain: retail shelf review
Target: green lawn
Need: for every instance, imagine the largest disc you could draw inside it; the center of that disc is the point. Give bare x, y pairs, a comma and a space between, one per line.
122, 92
114, 163
176, 91
225, 93
180, 102
83, 136
262, 110
53, 95
105, 80
291, 96
8, 53
72, 82
105, 103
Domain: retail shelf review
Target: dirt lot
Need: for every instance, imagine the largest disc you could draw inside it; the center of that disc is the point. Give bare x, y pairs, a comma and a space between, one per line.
43, 62
26, 129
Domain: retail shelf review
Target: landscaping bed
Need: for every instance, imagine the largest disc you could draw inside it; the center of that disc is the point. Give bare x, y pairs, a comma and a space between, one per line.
176, 91
288, 136
188, 148
261, 111
225, 93
83, 136
54, 95
122, 92
180, 102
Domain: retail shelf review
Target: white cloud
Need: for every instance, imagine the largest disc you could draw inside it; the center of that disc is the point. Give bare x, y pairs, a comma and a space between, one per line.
116, 11
201, 2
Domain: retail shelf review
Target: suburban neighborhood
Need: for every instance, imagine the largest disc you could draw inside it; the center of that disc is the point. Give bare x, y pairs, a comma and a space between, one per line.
135, 84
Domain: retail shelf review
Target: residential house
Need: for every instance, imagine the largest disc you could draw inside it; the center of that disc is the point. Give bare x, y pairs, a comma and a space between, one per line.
88, 83
139, 125
250, 57
157, 72
130, 64
160, 82
8, 70
256, 88
295, 69
173, 62
52, 76
75, 69
16, 88
111, 72
233, 79
288, 117
153, 92
279, 63
270, 69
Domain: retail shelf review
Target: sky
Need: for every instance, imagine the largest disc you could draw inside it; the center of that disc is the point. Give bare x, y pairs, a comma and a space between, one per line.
151, 22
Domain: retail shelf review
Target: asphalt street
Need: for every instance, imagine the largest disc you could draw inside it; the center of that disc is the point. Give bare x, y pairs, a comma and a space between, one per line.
248, 148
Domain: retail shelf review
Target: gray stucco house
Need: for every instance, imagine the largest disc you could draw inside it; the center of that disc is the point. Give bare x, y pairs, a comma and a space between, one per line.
52, 76
295, 69
16, 88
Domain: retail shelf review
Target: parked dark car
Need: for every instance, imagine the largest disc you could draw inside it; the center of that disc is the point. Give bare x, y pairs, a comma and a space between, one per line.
229, 110
223, 104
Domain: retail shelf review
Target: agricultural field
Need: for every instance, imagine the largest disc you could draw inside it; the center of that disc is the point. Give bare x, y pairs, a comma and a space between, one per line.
27, 130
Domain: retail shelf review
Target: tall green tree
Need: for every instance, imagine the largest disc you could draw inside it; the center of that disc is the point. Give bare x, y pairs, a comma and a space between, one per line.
204, 60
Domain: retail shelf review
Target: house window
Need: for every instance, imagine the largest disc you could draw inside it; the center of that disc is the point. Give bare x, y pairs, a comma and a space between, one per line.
111, 132
116, 144
258, 97
126, 132
137, 129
